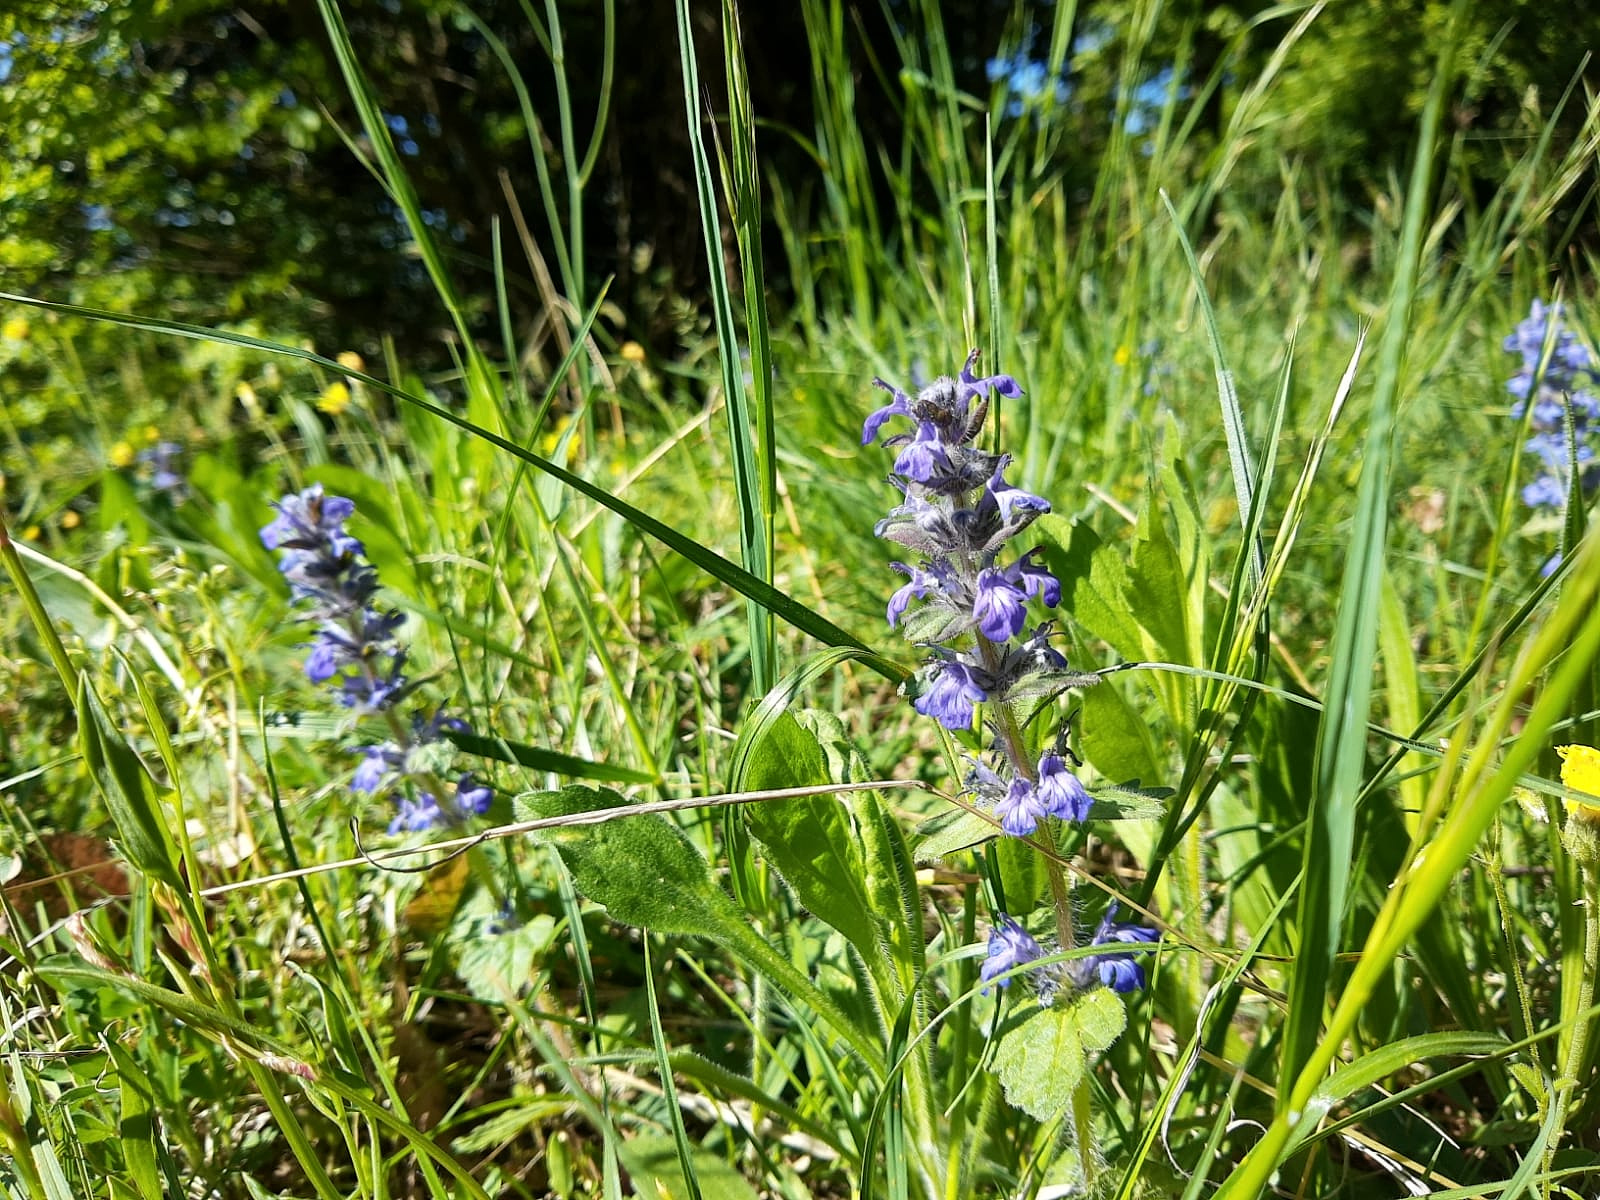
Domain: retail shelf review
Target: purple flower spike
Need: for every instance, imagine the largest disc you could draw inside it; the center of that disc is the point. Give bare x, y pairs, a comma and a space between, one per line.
951, 694
1010, 947
1061, 793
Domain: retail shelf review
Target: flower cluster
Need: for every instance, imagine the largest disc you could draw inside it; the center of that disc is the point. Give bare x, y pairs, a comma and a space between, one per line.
958, 512
1549, 383
356, 651
1011, 947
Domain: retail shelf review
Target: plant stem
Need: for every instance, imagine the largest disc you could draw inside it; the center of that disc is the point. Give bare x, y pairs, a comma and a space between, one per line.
1566, 1085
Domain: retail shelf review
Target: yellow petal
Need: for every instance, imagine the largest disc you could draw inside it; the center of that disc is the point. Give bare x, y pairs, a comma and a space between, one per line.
1580, 771
335, 399
122, 455
15, 330
1580, 768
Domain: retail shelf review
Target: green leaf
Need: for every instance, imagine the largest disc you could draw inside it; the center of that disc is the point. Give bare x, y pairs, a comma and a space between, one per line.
1041, 1059
539, 759
126, 786
642, 869
1113, 737
652, 1160
136, 1126
812, 841
495, 959
1397, 1056
1094, 581
1157, 592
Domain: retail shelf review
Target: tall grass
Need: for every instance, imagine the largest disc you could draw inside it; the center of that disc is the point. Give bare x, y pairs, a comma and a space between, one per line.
1303, 577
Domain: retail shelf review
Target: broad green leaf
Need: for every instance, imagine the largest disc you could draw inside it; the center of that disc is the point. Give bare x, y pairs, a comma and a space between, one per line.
652, 1160
495, 961
126, 786
1114, 738
1041, 1059
646, 873
1157, 592
1094, 582
642, 869
813, 841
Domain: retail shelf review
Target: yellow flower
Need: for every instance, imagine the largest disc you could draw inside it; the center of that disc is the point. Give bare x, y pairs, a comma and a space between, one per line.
246, 395
350, 361
15, 330
31, 534
122, 455
1580, 771
633, 352
152, 433
1123, 355
70, 519
335, 398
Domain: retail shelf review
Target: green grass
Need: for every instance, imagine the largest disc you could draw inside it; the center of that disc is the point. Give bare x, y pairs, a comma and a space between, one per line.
1286, 523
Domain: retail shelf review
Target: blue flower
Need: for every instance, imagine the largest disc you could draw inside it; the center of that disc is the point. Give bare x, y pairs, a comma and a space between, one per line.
999, 606
1548, 382
1061, 793
1021, 809
1568, 356
1012, 500
974, 388
1119, 970
953, 690
925, 458
415, 815
1000, 599
936, 577
899, 407
312, 523
473, 798
1010, 947
377, 763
